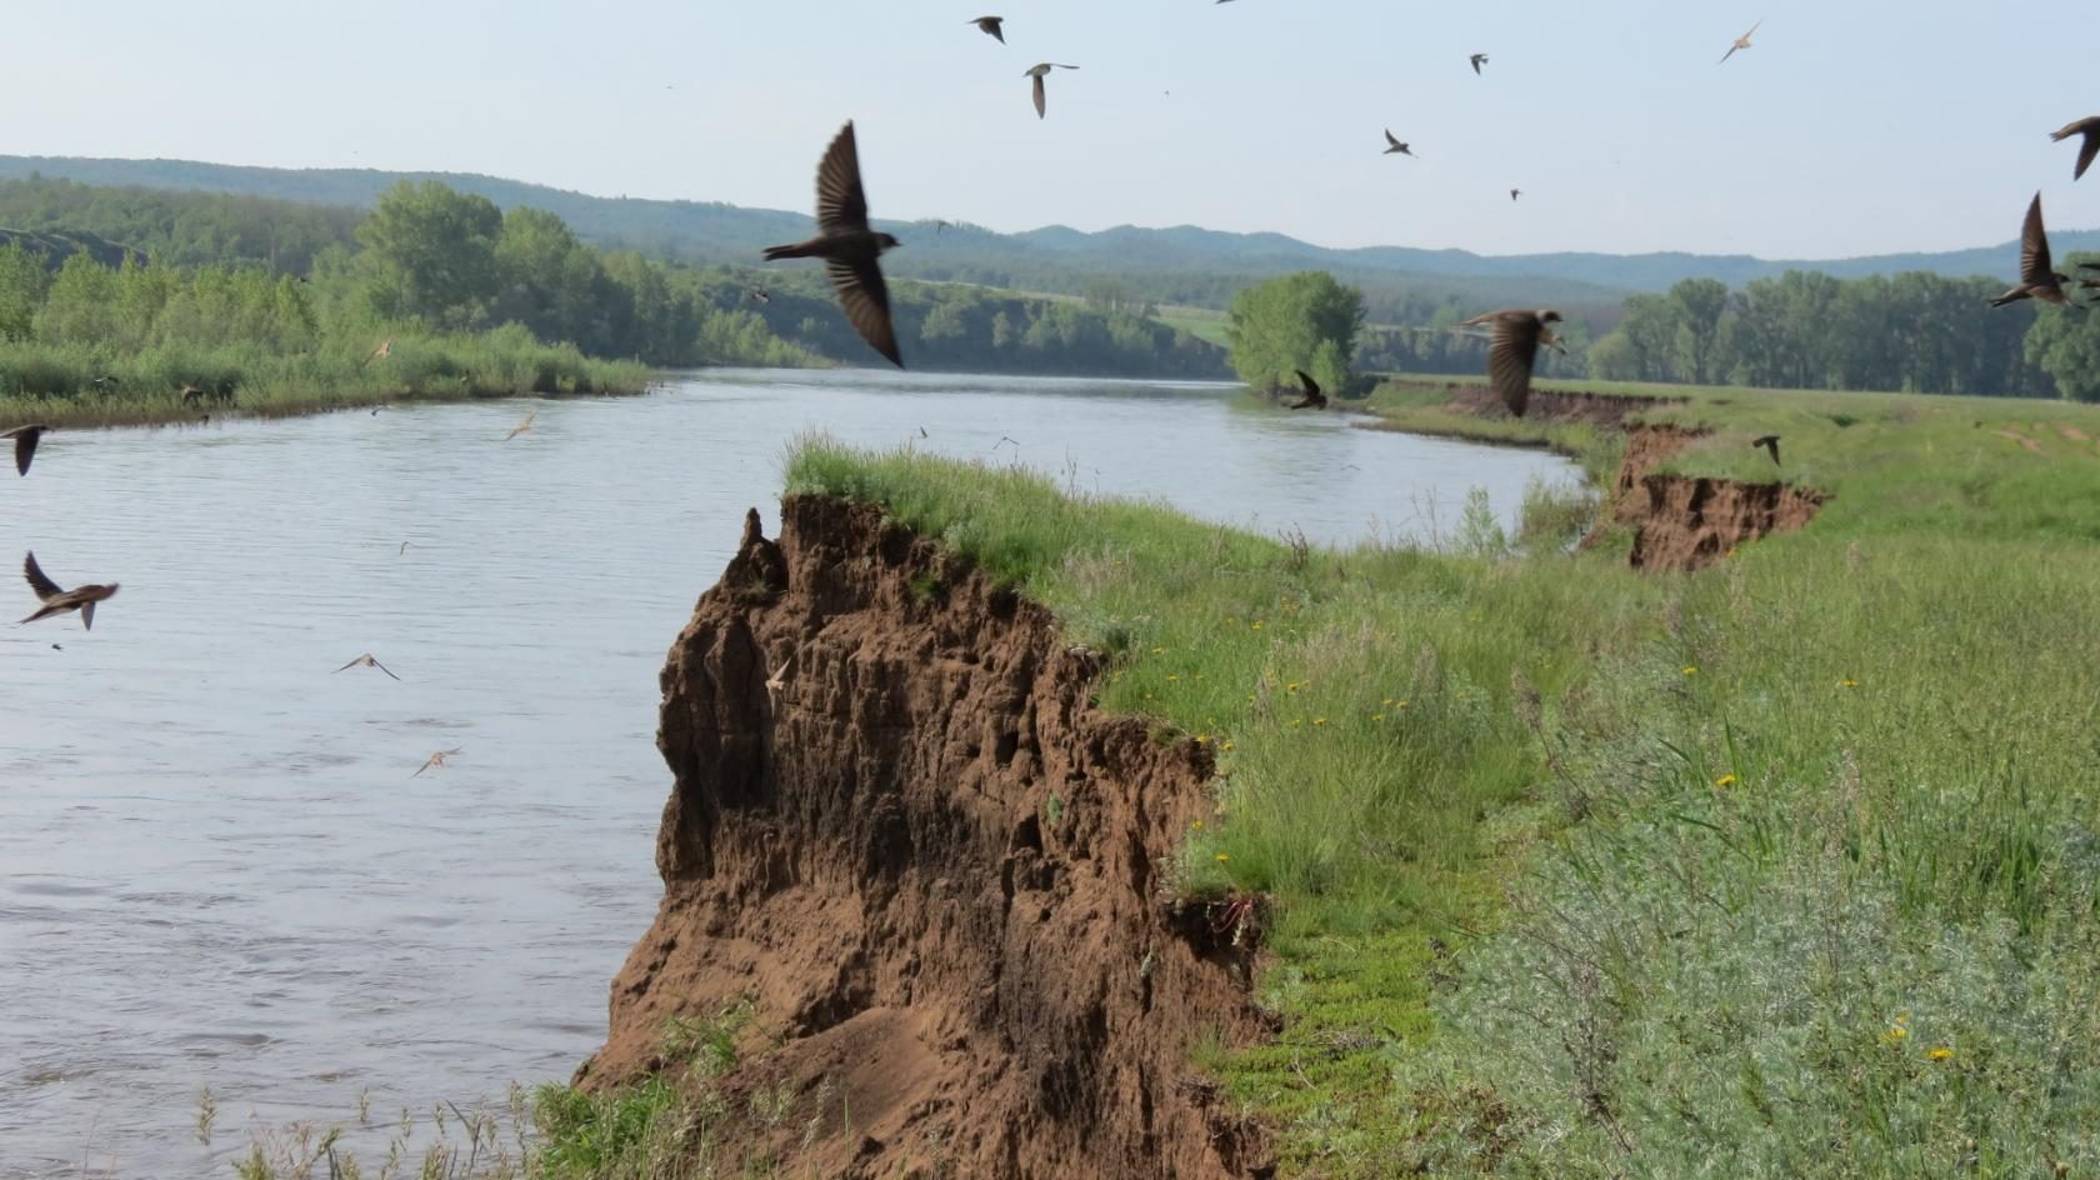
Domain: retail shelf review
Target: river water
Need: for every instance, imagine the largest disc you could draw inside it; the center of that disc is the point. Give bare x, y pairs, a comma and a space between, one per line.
218, 868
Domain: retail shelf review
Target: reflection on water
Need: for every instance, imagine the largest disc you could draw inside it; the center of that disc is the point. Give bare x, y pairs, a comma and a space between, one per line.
216, 868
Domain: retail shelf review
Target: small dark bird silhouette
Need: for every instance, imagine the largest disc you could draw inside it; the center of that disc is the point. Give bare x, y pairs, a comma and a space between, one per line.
2089, 147
437, 759
26, 438
57, 601
1037, 73
366, 661
1313, 399
1742, 42
989, 26
1514, 193
1479, 60
1393, 145
849, 248
1513, 346
2038, 277
1770, 442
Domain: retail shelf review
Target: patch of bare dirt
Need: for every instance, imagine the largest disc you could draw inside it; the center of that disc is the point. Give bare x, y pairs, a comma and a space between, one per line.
1687, 522
2025, 442
1555, 405
937, 871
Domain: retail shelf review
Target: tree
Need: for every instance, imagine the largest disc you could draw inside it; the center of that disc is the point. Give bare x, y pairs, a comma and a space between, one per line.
430, 254
1301, 321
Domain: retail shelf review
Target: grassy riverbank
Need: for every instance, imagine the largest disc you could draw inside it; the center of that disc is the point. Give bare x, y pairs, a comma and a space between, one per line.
1785, 868
80, 385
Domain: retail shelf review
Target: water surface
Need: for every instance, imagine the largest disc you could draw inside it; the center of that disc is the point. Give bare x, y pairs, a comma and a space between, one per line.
217, 866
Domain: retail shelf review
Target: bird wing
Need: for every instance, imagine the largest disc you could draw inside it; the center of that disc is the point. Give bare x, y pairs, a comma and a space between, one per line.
25, 447
2087, 150
1476, 63
45, 588
1514, 348
2035, 266
1727, 55
87, 615
841, 205
384, 668
1311, 386
1390, 141
1038, 78
866, 299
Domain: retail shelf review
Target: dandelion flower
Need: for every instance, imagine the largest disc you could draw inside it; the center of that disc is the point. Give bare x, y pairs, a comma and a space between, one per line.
1896, 1033
1257, 624
1319, 721
1225, 746
1386, 701
1202, 739
1848, 682
1291, 687
1726, 780
1400, 705
1173, 677
1224, 857
1940, 1053
1198, 825
1691, 669
1377, 716
1159, 651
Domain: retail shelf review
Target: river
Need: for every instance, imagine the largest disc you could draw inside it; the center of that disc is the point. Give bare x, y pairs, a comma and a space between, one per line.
218, 866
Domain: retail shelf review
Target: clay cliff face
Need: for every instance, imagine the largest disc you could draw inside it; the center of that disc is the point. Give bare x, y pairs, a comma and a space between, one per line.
1684, 522
940, 876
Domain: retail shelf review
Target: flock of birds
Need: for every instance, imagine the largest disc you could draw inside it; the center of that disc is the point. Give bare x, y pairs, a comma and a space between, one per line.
54, 600
852, 250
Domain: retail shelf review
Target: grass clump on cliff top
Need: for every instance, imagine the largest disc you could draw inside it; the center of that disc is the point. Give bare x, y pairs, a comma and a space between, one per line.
1786, 868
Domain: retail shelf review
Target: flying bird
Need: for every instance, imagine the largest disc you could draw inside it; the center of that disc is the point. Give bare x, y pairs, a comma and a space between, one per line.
989, 26
26, 438
1513, 345
776, 681
522, 427
1313, 399
1478, 60
1393, 145
761, 295
1770, 442
2088, 148
385, 350
1742, 42
366, 661
2038, 277
850, 250
1514, 193
1037, 72
437, 759
57, 601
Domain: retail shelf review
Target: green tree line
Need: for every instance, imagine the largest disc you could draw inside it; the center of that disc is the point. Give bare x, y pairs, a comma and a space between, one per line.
1915, 332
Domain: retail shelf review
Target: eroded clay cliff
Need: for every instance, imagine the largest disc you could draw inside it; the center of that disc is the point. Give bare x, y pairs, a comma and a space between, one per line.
940, 877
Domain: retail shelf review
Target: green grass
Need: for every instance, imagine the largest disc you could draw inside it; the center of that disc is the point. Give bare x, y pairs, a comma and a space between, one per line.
1581, 872
79, 385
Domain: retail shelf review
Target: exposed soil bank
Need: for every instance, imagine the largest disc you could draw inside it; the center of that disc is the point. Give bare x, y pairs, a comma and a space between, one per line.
1603, 409
1684, 522
938, 872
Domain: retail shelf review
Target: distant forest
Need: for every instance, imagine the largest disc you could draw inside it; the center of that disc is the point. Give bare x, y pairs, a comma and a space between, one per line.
429, 255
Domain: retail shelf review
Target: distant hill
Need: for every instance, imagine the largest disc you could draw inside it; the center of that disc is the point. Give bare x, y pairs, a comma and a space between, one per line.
1180, 264
57, 246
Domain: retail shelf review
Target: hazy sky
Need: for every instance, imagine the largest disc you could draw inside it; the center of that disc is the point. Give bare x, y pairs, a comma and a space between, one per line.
1853, 127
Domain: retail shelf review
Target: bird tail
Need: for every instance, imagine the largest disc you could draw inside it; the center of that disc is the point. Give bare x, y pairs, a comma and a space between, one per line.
798, 250
2002, 300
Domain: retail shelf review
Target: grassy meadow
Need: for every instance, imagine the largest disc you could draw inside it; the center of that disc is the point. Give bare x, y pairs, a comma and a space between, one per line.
1785, 868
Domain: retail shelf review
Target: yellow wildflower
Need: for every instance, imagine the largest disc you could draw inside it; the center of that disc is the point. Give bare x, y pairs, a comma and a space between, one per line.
1848, 682
1198, 825
1225, 746
1386, 701
1377, 716
1726, 780
1691, 669
1202, 739
1159, 651
1173, 677
1291, 687
1223, 857
1257, 624
1400, 705
1940, 1053
1895, 1034
1319, 721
